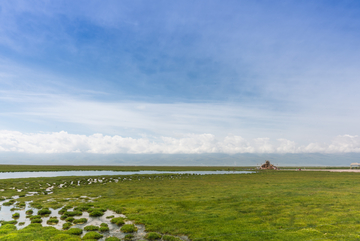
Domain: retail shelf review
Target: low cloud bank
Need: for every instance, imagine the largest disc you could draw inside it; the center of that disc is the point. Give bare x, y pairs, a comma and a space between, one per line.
63, 142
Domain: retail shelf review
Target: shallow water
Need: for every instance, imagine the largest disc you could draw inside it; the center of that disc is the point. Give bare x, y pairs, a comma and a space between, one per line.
8, 175
6, 215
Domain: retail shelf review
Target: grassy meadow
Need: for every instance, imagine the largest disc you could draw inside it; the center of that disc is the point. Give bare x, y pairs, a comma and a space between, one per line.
268, 205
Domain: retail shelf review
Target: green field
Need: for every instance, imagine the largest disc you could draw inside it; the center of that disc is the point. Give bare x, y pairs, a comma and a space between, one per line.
269, 205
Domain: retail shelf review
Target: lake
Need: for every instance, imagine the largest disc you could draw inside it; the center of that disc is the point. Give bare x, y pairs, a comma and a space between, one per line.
8, 175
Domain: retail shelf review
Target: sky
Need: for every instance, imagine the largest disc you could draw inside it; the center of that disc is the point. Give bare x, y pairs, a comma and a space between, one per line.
179, 77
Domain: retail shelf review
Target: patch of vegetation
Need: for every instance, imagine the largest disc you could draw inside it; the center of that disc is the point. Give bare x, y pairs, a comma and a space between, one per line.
13, 222
91, 228
21, 204
170, 238
62, 211
83, 207
96, 209
70, 219
36, 220
96, 213
92, 235
119, 221
29, 212
80, 221
75, 231
66, 226
110, 216
16, 215
7, 228
128, 228
8, 203
112, 239
35, 217
36, 205
104, 229
153, 236
128, 237
44, 212
33, 232
73, 213
118, 210
52, 221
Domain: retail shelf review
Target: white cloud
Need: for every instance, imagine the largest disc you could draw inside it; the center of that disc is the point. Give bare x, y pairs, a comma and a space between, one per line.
134, 118
63, 142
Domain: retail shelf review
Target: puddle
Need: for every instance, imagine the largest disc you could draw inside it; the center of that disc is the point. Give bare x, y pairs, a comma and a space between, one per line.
114, 229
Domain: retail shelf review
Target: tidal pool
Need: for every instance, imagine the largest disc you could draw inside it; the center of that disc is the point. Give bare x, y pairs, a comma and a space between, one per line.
8, 175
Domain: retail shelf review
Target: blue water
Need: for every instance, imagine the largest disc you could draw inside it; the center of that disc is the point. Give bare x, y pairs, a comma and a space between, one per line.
8, 175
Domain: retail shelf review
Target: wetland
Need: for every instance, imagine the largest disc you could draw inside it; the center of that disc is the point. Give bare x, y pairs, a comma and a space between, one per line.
266, 205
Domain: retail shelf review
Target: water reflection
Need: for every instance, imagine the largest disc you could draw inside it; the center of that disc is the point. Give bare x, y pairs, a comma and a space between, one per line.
8, 175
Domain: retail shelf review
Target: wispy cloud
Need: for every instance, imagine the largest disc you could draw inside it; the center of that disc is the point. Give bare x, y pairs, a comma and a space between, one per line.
139, 117
136, 118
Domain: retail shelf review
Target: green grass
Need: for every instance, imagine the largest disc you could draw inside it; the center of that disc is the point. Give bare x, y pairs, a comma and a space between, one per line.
268, 205
128, 228
52, 221
9, 222
153, 236
91, 228
128, 237
73, 213
66, 226
36, 220
29, 212
114, 239
70, 219
119, 221
104, 229
170, 238
33, 232
96, 213
44, 212
80, 221
74, 231
92, 235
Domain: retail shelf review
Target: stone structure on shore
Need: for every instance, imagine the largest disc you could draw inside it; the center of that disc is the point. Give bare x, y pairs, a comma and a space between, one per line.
268, 166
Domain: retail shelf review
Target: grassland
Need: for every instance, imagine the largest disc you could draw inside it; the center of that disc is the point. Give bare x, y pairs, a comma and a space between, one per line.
269, 205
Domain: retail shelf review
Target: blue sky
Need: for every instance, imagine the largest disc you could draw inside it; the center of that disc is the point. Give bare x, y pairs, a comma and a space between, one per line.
179, 76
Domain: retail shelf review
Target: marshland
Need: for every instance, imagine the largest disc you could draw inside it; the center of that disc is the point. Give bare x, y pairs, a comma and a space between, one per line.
263, 205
